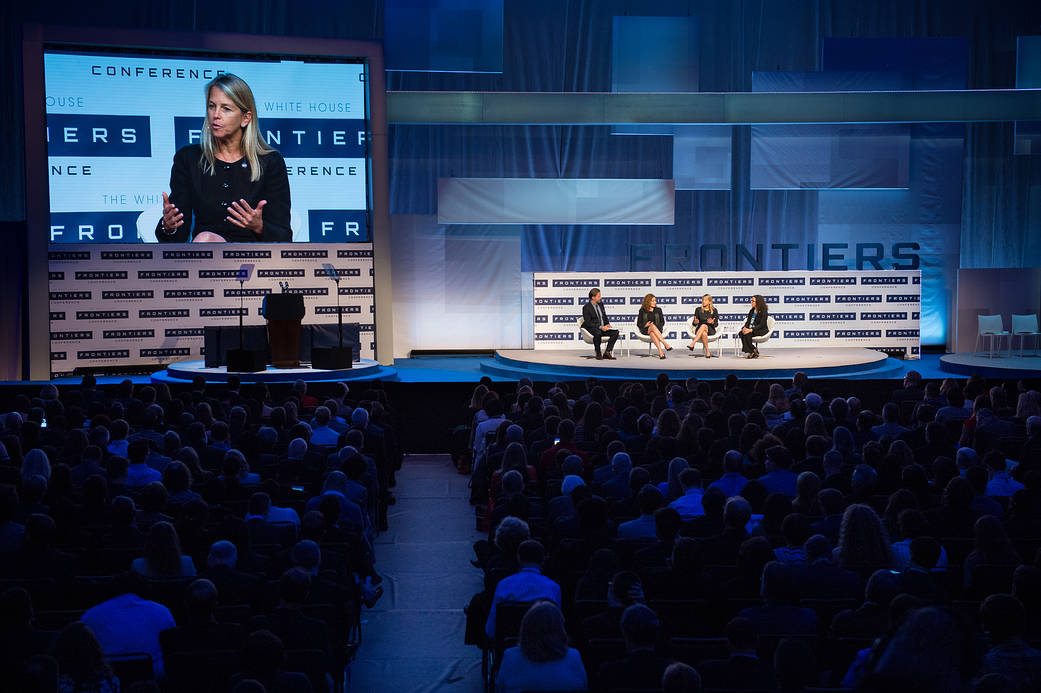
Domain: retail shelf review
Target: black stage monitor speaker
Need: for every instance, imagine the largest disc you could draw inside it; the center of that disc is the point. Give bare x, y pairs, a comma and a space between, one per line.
332, 358
245, 360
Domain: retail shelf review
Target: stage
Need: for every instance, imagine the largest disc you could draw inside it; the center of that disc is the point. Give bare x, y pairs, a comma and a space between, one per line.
553, 364
998, 367
470, 369
363, 369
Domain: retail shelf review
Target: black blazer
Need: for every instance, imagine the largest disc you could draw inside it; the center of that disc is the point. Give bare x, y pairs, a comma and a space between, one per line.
654, 315
203, 199
704, 316
591, 317
759, 326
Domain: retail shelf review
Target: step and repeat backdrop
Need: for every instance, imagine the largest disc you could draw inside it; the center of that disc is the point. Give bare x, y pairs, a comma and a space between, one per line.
134, 304
875, 310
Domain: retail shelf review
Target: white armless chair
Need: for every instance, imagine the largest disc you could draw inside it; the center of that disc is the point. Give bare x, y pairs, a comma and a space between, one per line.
1024, 326
992, 327
692, 328
587, 336
646, 338
761, 339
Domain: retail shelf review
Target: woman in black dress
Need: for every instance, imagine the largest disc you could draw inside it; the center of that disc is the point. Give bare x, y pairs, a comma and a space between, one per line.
651, 322
231, 186
755, 326
706, 319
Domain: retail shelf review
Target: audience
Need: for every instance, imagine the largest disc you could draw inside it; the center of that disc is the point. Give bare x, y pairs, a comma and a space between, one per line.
704, 494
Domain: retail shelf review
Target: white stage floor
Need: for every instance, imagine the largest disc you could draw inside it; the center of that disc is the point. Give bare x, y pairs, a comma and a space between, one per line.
1001, 366
681, 362
363, 369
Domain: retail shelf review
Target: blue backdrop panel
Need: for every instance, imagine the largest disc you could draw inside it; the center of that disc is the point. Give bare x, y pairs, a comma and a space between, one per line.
701, 157
929, 211
848, 155
653, 54
1028, 76
443, 35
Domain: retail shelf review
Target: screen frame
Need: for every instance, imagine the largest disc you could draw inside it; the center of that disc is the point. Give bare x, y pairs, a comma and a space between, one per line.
36, 38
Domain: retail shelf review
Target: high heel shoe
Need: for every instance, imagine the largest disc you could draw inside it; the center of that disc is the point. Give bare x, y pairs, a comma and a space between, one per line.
690, 347
661, 356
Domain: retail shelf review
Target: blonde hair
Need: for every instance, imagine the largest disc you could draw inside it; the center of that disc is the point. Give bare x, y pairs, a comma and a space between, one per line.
253, 145
647, 302
709, 298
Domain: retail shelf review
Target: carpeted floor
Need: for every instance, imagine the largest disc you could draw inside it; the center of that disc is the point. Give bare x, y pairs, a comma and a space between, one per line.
412, 640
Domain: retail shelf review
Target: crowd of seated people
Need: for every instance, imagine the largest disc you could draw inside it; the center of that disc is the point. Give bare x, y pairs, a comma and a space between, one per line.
212, 539
757, 536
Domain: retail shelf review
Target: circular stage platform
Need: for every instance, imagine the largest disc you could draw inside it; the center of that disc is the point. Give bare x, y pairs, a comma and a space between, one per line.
365, 369
997, 367
546, 364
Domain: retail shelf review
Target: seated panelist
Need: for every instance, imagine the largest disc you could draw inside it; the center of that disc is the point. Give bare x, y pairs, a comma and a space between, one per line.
594, 319
651, 322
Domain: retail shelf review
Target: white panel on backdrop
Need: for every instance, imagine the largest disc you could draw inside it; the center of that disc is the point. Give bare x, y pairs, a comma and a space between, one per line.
876, 310
455, 288
555, 201
147, 305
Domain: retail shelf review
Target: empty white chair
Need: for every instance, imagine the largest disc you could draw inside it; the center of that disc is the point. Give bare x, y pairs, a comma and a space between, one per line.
993, 327
1024, 326
641, 336
692, 328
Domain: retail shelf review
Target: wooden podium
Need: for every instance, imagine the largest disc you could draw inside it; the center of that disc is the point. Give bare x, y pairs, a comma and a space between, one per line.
284, 313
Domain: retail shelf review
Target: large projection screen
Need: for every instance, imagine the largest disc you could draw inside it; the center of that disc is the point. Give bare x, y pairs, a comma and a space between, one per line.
105, 112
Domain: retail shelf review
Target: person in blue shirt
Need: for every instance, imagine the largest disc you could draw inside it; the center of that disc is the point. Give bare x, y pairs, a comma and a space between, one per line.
138, 472
689, 504
732, 481
649, 500
526, 585
890, 426
322, 433
542, 660
127, 624
779, 478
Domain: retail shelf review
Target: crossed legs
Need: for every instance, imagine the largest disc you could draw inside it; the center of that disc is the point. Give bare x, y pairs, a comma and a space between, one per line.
656, 340
701, 335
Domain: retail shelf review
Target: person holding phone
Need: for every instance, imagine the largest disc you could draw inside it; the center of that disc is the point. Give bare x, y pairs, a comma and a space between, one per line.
231, 186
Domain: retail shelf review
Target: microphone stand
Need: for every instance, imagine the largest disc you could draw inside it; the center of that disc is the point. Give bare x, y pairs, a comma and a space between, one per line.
241, 291
339, 312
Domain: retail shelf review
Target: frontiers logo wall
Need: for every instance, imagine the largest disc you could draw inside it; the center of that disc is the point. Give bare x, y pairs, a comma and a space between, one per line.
109, 296
810, 308
115, 120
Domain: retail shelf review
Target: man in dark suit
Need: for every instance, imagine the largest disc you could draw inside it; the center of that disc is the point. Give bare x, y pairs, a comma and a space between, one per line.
594, 319
641, 668
199, 629
742, 669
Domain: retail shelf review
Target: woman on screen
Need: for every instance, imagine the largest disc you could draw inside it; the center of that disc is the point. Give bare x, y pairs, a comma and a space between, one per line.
232, 184
651, 322
706, 318
755, 326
